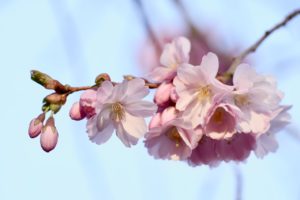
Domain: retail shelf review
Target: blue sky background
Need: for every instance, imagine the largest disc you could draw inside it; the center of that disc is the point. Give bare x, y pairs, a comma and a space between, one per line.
73, 41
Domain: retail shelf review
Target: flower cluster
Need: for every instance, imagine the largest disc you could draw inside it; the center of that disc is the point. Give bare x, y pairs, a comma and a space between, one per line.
204, 121
198, 115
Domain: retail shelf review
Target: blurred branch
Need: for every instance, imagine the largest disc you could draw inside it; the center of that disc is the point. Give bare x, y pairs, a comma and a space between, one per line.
147, 26
187, 18
239, 183
253, 48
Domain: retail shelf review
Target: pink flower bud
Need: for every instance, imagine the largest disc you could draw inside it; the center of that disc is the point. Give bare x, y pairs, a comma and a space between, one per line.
36, 125
49, 136
155, 121
76, 112
162, 94
168, 114
87, 103
173, 95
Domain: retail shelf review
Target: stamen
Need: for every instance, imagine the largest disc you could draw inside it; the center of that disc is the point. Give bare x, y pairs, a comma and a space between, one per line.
241, 100
204, 93
174, 136
218, 116
117, 111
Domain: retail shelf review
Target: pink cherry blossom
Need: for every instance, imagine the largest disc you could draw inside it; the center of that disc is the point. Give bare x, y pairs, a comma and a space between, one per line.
256, 96
211, 152
120, 108
88, 102
49, 136
221, 121
266, 142
196, 87
172, 140
36, 125
173, 55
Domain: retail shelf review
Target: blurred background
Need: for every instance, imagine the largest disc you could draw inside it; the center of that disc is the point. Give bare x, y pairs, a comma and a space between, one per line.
75, 40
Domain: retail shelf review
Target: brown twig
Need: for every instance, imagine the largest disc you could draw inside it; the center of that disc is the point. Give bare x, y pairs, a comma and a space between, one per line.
147, 83
251, 49
76, 89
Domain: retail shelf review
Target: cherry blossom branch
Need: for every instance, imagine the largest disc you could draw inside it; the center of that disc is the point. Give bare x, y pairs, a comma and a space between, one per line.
147, 83
253, 48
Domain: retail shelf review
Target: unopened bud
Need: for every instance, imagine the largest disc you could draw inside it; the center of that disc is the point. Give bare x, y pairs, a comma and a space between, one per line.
49, 136
55, 98
47, 82
36, 125
54, 102
173, 95
101, 78
55, 107
76, 112
128, 77
162, 94
42, 79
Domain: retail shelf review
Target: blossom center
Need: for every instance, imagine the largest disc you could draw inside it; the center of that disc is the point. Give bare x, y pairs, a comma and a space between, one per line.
117, 111
174, 136
241, 100
204, 93
218, 115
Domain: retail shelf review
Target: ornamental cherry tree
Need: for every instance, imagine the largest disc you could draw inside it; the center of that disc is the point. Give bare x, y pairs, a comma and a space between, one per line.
199, 114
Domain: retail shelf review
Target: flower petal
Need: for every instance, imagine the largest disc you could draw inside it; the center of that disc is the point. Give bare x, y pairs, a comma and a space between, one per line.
160, 74
104, 92
210, 65
136, 89
134, 126
141, 108
191, 75
124, 136
244, 76
176, 52
96, 136
191, 137
264, 144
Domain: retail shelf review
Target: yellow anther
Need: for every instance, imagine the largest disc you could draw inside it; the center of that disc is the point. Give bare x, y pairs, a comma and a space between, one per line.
174, 136
204, 93
218, 115
241, 100
117, 111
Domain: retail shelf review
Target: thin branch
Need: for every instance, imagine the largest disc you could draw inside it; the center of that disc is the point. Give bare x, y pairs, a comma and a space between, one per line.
147, 83
239, 183
253, 48
147, 26
187, 18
